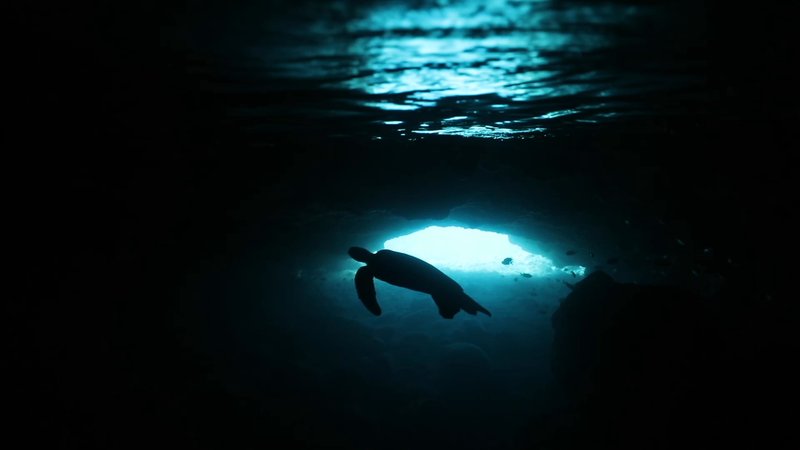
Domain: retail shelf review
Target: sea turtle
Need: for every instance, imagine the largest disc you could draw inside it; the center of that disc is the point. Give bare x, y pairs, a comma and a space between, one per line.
412, 273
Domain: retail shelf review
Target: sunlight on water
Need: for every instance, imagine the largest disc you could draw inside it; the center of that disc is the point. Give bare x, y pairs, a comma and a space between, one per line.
515, 68
462, 49
481, 131
430, 69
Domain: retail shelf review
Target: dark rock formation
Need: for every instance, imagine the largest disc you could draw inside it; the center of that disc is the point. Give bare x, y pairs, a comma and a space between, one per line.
656, 367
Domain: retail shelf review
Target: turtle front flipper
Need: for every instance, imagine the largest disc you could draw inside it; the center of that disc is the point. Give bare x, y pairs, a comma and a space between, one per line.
365, 287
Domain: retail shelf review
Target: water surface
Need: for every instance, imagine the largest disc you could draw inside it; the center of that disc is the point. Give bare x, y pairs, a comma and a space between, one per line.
501, 69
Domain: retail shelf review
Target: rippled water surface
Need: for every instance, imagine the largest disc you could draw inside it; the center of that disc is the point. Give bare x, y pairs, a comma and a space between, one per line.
491, 69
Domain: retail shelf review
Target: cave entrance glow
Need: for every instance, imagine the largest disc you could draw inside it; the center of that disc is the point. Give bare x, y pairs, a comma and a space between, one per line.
471, 250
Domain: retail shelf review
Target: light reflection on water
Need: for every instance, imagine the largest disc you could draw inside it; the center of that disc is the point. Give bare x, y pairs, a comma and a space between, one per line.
509, 68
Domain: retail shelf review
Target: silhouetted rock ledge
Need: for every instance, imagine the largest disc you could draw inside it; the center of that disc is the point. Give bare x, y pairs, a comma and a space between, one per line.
660, 367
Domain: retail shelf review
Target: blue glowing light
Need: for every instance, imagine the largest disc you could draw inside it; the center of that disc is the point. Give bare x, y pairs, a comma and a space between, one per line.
471, 250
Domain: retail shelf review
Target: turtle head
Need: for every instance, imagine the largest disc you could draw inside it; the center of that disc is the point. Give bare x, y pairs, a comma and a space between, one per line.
360, 254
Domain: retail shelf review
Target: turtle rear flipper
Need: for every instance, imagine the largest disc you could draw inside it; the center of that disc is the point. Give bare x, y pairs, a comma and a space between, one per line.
365, 287
469, 305
448, 305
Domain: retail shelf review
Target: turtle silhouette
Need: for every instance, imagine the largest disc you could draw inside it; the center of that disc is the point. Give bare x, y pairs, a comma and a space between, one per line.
412, 273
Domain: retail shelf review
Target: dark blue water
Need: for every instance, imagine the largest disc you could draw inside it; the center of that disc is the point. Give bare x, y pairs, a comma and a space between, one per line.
194, 173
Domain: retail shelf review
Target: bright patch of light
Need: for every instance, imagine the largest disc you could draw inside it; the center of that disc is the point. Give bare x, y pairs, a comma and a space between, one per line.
554, 114
386, 106
471, 250
486, 131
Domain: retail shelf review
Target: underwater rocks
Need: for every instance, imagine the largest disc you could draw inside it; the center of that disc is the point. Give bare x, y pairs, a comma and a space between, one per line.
635, 361
662, 365
607, 331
